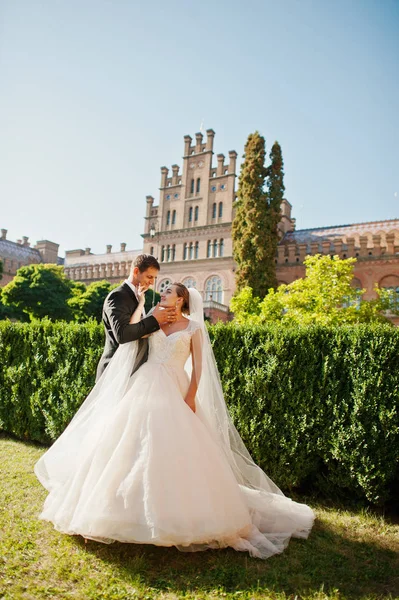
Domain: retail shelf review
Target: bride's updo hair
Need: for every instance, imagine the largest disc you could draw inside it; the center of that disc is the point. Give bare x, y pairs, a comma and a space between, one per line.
182, 292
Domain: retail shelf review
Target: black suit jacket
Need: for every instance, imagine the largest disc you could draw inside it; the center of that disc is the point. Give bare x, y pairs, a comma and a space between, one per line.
118, 307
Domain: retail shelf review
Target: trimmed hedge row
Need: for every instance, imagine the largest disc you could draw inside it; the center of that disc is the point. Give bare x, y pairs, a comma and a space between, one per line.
314, 405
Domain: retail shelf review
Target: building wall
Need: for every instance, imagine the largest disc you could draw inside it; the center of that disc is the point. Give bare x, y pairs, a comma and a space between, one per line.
82, 265
15, 255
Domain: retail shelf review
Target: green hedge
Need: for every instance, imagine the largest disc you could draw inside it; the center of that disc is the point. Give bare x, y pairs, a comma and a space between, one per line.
314, 405
46, 371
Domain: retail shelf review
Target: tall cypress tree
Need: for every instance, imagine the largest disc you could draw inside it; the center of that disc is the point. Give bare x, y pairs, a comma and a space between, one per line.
252, 248
275, 196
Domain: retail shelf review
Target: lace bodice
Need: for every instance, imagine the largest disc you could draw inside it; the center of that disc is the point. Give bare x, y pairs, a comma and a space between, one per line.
172, 349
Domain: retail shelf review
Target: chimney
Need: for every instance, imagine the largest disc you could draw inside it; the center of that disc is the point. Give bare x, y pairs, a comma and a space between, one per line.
209, 139
233, 161
109, 248
220, 166
175, 170
19, 242
4, 234
25, 241
164, 175
123, 246
87, 250
150, 202
187, 144
198, 142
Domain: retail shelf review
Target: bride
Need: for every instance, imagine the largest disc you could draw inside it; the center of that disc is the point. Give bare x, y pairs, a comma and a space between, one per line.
154, 458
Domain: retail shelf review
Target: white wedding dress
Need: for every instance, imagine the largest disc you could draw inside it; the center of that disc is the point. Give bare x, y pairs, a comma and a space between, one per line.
152, 472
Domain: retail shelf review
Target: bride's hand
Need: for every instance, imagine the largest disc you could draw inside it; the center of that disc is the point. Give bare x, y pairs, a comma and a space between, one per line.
190, 402
141, 293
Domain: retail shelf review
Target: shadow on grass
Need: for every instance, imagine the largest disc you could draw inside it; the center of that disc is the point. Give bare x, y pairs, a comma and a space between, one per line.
325, 561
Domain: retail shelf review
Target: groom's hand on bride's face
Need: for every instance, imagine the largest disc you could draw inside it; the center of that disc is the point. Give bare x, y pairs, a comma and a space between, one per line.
164, 315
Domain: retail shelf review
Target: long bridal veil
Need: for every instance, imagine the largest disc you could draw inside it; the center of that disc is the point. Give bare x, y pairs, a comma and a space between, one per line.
213, 407
275, 517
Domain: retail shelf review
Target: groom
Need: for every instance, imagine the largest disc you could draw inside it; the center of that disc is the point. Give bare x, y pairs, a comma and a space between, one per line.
119, 306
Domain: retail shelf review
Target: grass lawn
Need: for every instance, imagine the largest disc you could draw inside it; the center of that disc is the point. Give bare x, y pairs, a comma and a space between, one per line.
349, 555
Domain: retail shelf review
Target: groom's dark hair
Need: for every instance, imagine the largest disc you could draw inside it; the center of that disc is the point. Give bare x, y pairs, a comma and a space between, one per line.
145, 261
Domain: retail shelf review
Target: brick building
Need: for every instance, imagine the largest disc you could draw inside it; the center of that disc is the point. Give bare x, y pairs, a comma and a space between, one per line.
20, 253
189, 231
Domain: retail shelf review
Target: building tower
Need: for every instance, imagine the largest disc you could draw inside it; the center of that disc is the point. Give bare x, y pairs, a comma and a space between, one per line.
190, 229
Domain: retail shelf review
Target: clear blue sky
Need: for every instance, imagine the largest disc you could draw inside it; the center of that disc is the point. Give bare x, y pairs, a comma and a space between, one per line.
96, 95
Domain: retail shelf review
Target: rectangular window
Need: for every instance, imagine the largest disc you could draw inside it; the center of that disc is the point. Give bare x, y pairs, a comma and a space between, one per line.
215, 248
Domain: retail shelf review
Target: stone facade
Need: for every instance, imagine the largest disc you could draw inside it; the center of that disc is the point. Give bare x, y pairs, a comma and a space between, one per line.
19, 254
82, 265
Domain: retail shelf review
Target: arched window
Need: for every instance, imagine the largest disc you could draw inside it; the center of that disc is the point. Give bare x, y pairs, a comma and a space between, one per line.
190, 282
214, 210
174, 252
221, 247
391, 284
168, 253
196, 250
393, 297
163, 285
220, 209
198, 185
209, 249
215, 248
168, 218
192, 186
191, 251
174, 218
190, 214
196, 211
185, 251
152, 250
163, 254
214, 289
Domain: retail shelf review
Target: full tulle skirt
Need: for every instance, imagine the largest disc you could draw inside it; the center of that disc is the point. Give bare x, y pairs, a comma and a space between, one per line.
151, 473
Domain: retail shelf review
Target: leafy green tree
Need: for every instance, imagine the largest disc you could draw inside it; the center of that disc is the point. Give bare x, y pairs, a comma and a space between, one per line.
40, 291
324, 296
245, 306
150, 299
252, 250
87, 302
11, 312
